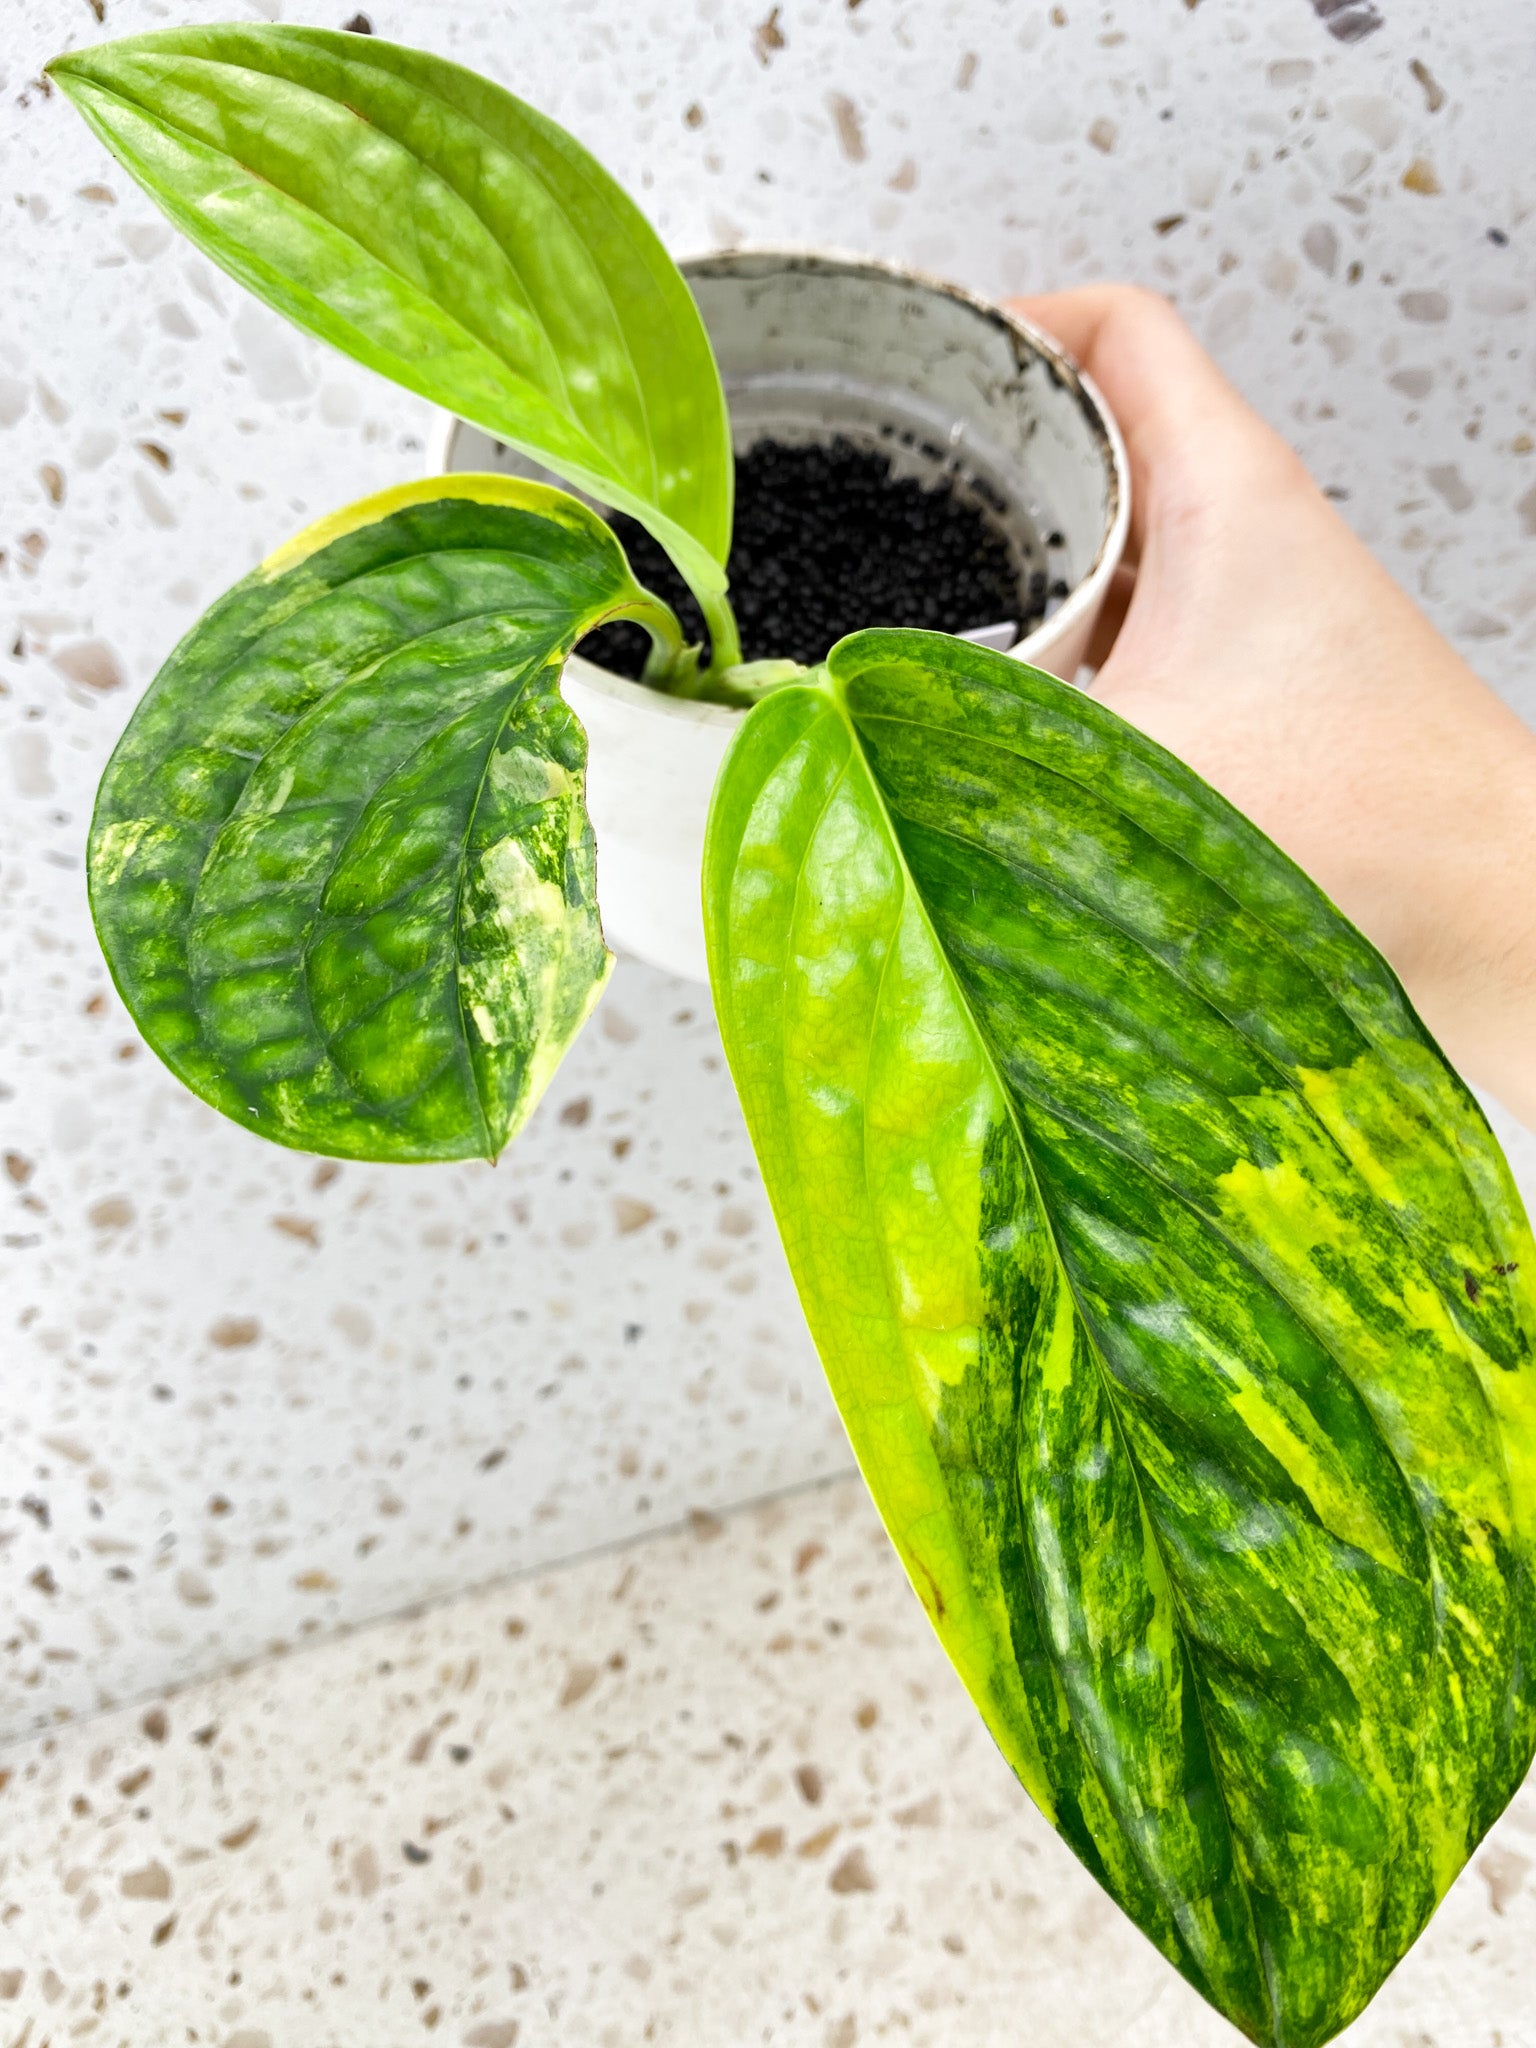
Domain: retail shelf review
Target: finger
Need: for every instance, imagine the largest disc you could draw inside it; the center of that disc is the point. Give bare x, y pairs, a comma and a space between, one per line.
1106, 627
1186, 430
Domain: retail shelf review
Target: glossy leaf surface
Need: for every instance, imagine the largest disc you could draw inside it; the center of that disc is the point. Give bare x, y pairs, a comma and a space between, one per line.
1174, 1292
340, 864
427, 223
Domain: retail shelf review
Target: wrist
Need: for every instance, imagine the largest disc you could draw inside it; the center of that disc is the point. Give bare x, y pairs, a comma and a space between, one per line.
1468, 955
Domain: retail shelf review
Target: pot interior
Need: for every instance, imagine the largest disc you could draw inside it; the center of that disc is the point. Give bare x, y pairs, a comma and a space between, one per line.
946, 388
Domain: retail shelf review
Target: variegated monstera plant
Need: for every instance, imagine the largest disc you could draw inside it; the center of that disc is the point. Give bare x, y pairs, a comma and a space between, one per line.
1175, 1294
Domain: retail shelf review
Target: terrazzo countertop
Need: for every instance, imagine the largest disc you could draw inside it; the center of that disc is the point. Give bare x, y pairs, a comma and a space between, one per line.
719, 1788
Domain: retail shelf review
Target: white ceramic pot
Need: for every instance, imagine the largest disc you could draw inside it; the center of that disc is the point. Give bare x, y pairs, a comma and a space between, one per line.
811, 345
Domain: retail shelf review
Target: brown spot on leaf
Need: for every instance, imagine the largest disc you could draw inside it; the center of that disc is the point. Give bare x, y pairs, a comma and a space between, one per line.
934, 1601
1469, 1282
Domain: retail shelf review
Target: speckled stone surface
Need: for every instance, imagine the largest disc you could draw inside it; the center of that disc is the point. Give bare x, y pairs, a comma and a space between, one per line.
243, 1403
716, 1789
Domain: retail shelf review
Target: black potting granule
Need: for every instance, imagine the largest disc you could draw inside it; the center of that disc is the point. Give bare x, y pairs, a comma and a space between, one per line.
827, 540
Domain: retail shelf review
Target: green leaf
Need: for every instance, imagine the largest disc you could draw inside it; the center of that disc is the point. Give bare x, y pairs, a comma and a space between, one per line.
340, 864
1174, 1292
433, 227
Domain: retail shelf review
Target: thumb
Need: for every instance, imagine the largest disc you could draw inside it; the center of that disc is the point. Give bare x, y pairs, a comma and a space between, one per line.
1191, 439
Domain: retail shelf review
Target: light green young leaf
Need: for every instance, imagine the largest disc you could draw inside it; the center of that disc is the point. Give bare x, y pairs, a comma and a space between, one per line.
341, 865
432, 226
1176, 1297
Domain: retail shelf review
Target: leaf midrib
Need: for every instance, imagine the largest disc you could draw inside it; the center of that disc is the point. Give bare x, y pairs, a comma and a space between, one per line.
910, 888
1106, 1379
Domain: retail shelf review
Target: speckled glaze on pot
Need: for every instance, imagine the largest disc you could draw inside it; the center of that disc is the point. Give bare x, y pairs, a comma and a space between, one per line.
808, 345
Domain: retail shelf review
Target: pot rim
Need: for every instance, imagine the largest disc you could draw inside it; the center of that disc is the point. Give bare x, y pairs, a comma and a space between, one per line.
1085, 594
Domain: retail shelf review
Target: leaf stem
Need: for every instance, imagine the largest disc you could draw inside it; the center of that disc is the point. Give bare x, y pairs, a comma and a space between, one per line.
668, 658
724, 639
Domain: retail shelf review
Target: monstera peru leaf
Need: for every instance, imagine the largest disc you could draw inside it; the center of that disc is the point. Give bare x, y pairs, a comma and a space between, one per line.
341, 864
1174, 1292
432, 226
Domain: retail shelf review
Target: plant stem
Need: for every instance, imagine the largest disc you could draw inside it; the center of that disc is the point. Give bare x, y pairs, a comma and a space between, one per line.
667, 658
672, 665
724, 639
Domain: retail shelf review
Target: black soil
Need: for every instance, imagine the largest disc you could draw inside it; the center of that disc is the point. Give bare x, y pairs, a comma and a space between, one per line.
827, 540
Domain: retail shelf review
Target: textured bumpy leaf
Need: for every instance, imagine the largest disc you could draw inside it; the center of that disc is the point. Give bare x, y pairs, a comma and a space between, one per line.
1175, 1294
340, 864
429, 224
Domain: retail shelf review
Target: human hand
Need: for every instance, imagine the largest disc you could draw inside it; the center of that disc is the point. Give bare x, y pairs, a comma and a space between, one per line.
1253, 635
